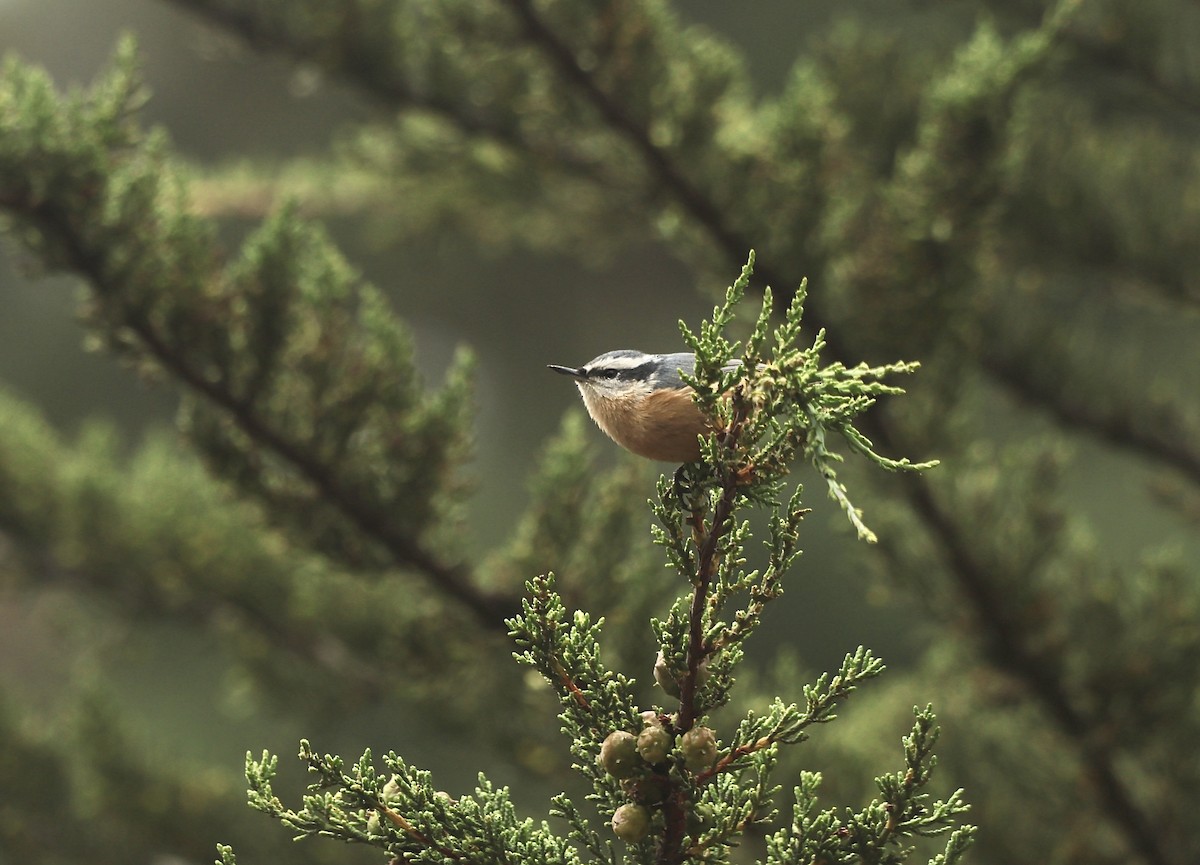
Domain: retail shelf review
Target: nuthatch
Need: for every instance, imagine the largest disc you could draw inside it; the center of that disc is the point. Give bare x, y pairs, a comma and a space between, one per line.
642, 403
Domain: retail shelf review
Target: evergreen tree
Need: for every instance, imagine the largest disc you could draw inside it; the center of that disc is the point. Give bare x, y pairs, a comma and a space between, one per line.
1008, 193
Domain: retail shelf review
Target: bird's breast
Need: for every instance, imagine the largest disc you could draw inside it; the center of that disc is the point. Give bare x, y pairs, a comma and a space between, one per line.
659, 425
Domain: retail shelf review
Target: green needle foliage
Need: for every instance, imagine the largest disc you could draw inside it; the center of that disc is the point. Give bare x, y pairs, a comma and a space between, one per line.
671, 790
282, 347
1007, 190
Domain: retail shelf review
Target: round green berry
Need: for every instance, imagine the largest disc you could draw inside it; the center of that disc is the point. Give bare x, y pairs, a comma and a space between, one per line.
619, 754
664, 677
699, 748
653, 744
631, 823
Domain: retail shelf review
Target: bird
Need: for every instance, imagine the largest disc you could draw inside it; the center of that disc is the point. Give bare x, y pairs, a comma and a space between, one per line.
641, 402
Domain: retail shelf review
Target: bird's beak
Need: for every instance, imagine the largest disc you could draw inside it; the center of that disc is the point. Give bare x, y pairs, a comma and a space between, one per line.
573, 372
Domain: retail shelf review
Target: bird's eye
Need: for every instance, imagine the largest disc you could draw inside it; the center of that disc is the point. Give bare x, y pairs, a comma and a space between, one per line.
603, 373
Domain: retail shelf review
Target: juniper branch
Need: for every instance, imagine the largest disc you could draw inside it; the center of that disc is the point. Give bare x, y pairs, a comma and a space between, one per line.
1005, 638
1004, 644
454, 579
787, 725
74, 204
1159, 435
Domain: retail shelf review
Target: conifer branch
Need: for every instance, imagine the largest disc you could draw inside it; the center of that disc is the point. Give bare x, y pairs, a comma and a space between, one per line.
1006, 637
72, 213
708, 539
380, 77
694, 200
1008, 641
265, 33
671, 795
454, 579
1160, 435
190, 554
1005, 645
787, 725
669, 792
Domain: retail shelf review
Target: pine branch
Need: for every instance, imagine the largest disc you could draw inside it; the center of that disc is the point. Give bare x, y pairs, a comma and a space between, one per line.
73, 206
160, 537
787, 725
658, 161
660, 779
1164, 438
374, 75
876, 833
453, 579
1003, 638
381, 76
401, 812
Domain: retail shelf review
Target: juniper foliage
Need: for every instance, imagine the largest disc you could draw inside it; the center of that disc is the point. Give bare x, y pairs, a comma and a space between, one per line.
1005, 190
687, 800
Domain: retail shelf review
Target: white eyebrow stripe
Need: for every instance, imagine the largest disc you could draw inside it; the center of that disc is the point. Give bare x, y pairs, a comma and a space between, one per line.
617, 363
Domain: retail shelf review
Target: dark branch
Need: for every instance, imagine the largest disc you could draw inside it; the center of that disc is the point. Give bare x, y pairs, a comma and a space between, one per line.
674, 181
405, 551
1004, 645
381, 83
1118, 428
454, 580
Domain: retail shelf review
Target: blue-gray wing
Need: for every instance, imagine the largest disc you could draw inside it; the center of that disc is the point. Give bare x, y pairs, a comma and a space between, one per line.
668, 375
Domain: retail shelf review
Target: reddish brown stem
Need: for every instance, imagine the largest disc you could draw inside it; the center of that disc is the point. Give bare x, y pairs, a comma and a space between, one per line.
568, 683
421, 838
706, 570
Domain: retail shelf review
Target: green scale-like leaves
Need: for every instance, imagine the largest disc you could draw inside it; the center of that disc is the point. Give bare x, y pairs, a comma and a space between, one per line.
688, 797
301, 391
300, 385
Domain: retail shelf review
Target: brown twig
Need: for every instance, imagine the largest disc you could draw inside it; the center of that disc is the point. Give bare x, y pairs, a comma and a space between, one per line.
564, 679
708, 541
1148, 433
706, 567
420, 837
732, 757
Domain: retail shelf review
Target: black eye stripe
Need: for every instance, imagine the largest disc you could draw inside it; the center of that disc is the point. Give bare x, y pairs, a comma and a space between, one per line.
637, 373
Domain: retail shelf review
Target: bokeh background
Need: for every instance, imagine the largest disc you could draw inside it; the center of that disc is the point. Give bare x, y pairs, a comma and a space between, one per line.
223, 103
518, 311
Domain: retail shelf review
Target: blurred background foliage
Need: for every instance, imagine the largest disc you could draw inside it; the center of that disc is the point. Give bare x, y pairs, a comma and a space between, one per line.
1008, 192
